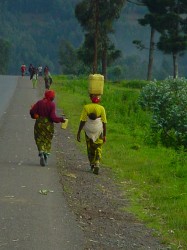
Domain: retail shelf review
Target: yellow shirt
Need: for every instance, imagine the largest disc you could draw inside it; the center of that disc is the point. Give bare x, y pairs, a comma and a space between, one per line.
93, 108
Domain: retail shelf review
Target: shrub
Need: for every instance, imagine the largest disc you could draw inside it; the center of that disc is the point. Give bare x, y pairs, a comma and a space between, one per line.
167, 100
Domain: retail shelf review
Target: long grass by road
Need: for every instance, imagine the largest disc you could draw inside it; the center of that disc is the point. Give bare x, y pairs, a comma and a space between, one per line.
153, 177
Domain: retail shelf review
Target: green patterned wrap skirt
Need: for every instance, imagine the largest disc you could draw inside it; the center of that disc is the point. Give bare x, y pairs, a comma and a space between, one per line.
94, 149
43, 134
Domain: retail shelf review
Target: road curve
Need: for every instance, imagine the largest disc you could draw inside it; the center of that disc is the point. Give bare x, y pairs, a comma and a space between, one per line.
28, 219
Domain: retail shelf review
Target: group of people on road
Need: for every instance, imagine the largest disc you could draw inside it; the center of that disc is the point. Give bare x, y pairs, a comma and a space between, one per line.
92, 122
35, 72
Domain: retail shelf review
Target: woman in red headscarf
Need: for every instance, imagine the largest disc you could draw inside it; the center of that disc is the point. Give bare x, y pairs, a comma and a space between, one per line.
44, 111
93, 122
23, 69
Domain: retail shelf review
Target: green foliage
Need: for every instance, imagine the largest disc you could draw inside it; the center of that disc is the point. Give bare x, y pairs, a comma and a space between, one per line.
116, 72
86, 52
4, 56
69, 61
171, 44
108, 12
134, 84
153, 178
172, 25
35, 29
133, 67
97, 18
167, 100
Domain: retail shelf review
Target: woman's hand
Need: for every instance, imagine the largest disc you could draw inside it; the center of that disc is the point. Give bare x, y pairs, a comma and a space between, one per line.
62, 120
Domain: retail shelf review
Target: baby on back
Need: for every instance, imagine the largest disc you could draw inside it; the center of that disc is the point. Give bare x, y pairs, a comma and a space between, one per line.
92, 116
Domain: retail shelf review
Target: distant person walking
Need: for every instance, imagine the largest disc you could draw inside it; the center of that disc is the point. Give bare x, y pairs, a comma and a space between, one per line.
93, 122
44, 111
40, 70
30, 70
46, 70
34, 77
23, 69
47, 78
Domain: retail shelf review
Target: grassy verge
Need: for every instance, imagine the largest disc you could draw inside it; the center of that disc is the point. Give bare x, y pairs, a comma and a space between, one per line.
154, 178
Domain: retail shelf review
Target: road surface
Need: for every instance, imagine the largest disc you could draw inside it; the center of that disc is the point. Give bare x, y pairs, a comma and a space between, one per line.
29, 220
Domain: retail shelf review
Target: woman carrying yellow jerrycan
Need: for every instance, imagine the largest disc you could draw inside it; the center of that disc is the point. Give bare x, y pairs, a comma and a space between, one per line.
93, 122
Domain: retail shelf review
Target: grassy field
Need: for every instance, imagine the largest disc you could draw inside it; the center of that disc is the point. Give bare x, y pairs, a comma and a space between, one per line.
153, 177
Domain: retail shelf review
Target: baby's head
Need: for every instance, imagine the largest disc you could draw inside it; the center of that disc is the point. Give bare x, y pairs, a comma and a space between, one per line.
92, 116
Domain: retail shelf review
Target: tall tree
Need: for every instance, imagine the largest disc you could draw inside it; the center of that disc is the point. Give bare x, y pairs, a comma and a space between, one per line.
156, 9
173, 39
166, 17
96, 33
86, 53
97, 17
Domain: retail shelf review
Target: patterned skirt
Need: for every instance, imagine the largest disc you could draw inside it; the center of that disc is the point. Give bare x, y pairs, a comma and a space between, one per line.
43, 134
94, 149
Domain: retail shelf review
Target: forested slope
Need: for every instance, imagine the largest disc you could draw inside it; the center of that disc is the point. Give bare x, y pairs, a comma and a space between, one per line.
35, 29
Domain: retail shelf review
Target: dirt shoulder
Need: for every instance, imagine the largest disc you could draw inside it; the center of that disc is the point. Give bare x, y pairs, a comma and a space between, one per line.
98, 202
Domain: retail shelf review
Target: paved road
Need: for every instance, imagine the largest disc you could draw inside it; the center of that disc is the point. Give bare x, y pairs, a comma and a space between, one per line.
28, 219
7, 88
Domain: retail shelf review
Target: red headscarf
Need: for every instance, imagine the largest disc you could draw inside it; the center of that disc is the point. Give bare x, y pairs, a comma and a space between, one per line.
95, 99
50, 95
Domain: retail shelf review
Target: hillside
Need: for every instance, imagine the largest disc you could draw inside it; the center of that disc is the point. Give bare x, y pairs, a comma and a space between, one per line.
35, 30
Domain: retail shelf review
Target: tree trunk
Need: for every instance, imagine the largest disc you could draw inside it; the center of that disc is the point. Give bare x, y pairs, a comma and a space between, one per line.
151, 52
104, 63
175, 66
96, 11
175, 54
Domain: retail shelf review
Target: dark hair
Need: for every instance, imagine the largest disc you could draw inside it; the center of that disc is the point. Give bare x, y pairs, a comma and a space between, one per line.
92, 116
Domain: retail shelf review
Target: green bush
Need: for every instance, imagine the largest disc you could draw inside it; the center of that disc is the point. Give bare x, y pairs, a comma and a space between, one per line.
167, 100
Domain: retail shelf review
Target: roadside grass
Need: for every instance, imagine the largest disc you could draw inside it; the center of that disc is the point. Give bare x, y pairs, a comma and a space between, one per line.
153, 177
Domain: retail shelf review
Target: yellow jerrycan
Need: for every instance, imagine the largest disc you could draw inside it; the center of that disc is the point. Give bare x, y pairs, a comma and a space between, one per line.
64, 124
96, 84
